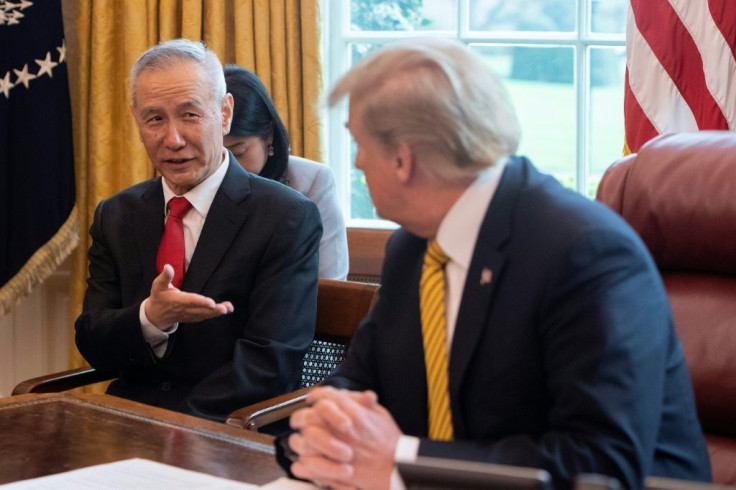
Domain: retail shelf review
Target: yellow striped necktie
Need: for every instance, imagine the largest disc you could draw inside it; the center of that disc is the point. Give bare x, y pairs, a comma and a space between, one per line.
434, 335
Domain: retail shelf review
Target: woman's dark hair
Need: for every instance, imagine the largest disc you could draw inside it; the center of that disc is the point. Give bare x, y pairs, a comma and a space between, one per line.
255, 115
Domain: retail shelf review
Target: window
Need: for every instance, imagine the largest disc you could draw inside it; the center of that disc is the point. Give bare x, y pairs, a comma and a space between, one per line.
562, 62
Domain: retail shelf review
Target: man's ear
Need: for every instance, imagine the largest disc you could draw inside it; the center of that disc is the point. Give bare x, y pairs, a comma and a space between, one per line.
405, 162
227, 113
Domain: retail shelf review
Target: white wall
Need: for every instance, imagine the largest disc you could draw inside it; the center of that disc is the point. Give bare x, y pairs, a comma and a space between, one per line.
35, 336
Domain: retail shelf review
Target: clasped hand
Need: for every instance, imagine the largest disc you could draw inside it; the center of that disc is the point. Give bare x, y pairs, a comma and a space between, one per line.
168, 305
345, 439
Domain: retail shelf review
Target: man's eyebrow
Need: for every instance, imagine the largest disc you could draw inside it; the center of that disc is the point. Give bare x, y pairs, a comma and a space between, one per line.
145, 111
190, 104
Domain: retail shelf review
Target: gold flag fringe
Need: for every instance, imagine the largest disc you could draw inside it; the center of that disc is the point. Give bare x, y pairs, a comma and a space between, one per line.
41, 264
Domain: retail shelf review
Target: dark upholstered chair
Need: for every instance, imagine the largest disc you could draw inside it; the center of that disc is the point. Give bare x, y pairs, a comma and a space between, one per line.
341, 306
679, 193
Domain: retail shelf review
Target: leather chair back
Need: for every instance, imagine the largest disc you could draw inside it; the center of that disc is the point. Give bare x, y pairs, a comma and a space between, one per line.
679, 193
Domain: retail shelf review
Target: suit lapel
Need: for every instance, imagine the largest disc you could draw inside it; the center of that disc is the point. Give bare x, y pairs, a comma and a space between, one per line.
484, 276
225, 218
148, 220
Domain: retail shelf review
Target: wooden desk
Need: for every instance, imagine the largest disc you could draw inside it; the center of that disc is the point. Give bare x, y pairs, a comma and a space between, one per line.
46, 434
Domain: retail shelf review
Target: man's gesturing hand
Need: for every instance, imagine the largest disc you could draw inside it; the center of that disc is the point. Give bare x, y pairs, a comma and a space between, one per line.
168, 305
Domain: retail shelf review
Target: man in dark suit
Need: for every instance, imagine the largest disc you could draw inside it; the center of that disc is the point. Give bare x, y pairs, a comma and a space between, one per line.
236, 329
561, 347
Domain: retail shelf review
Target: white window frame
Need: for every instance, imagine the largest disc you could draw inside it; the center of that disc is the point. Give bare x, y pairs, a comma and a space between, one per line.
337, 36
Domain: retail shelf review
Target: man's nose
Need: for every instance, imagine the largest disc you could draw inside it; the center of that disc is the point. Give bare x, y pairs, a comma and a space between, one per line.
174, 138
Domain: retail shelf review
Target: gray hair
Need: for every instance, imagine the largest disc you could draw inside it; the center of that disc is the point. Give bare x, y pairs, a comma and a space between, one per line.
168, 53
439, 98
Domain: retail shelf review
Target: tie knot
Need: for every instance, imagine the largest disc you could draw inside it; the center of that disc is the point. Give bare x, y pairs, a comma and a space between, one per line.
435, 256
178, 207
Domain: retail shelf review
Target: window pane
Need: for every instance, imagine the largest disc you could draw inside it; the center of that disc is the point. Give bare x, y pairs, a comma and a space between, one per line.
540, 82
403, 15
358, 50
361, 206
528, 15
606, 110
608, 16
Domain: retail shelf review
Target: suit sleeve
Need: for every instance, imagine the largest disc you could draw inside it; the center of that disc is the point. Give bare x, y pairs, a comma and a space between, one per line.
108, 333
268, 354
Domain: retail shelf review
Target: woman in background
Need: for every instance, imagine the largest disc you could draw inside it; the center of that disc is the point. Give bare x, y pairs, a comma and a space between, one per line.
259, 141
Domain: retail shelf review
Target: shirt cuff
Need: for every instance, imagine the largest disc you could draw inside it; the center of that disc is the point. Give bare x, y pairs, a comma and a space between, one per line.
156, 338
406, 449
406, 452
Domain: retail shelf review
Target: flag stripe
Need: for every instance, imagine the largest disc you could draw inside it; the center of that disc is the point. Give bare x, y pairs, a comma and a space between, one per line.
719, 65
644, 131
724, 16
658, 96
677, 53
680, 67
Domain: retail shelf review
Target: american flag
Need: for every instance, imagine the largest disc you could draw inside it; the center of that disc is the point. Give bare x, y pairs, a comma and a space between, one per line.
680, 68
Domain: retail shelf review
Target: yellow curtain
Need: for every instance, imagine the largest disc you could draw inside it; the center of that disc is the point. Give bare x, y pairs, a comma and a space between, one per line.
278, 39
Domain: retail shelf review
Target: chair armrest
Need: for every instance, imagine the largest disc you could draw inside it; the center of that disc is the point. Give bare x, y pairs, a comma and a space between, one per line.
255, 416
61, 381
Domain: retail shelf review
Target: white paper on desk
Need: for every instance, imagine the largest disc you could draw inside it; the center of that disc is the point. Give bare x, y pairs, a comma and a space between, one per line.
285, 483
129, 474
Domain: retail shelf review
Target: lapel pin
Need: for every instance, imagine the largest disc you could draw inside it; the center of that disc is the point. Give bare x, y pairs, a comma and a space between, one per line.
485, 276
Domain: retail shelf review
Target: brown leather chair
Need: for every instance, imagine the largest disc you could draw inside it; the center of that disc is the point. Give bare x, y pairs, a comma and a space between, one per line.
341, 305
366, 249
679, 193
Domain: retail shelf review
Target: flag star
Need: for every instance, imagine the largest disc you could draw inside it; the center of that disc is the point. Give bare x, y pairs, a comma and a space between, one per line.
46, 65
24, 4
14, 16
62, 51
23, 76
3, 17
6, 85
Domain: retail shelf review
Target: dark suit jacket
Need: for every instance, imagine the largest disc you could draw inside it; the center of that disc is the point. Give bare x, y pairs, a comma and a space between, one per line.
567, 360
258, 249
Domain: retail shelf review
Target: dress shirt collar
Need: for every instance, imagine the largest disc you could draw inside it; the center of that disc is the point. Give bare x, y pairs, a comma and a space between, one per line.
459, 229
202, 195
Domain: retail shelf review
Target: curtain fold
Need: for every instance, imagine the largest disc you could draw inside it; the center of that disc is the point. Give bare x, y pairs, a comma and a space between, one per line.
278, 39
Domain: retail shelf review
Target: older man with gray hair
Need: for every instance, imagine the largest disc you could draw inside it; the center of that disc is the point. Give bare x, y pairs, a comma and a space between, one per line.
518, 322
202, 283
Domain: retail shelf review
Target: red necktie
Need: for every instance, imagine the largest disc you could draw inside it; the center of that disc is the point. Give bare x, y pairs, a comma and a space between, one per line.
171, 249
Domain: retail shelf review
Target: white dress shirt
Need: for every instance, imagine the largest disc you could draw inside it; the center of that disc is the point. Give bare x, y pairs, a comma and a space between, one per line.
201, 198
